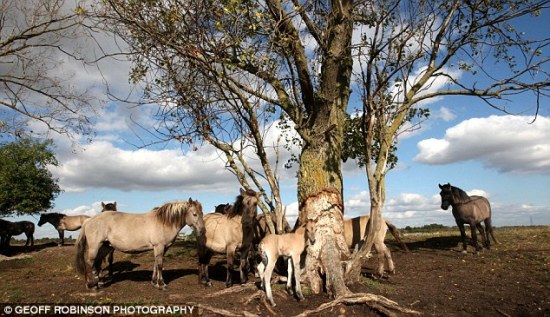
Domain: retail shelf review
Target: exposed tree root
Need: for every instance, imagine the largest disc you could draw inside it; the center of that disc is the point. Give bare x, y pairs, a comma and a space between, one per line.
222, 312
263, 298
234, 289
380, 303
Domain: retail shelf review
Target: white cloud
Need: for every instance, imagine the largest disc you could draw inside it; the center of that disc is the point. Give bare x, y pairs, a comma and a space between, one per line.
506, 143
444, 114
413, 209
101, 165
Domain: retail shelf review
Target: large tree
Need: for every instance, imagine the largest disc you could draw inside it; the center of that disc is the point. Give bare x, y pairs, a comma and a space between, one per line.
26, 184
225, 64
37, 39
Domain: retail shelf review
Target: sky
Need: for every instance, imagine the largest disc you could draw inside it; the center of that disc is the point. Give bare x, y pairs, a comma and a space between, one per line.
464, 142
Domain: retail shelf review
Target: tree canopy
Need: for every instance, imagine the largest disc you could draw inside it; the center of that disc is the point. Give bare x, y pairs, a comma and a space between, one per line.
26, 184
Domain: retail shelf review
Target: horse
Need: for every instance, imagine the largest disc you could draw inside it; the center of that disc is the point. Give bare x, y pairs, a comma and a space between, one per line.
354, 233
110, 256
9, 229
228, 233
133, 233
290, 246
62, 222
471, 210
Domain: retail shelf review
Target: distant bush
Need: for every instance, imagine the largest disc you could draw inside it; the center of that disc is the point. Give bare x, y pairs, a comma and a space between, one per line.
426, 228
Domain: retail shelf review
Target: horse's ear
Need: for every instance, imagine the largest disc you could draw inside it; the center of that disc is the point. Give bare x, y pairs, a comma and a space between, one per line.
440, 187
103, 204
190, 200
114, 203
242, 191
449, 184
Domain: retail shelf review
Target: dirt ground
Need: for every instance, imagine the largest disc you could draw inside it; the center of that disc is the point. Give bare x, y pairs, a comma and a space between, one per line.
434, 278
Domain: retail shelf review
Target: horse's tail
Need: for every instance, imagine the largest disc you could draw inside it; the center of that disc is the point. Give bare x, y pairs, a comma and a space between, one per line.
489, 229
396, 234
81, 246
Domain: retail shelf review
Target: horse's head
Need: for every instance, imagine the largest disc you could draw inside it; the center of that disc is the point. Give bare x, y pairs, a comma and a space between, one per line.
108, 206
194, 217
311, 227
249, 203
43, 220
446, 196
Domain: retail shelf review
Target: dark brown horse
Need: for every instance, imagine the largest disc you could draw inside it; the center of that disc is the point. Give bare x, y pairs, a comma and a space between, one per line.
471, 210
229, 233
9, 229
62, 222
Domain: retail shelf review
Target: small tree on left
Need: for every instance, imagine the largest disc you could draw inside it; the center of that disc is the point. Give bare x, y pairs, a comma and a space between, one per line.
26, 184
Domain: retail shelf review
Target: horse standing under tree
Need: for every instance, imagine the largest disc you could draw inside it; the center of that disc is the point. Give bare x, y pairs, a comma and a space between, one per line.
471, 210
228, 233
9, 229
133, 233
62, 222
355, 230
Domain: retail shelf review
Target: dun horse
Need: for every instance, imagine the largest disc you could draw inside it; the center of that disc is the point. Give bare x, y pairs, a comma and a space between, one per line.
354, 233
62, 222
290, 246
471, 210
9, 229
228, 233
132, 233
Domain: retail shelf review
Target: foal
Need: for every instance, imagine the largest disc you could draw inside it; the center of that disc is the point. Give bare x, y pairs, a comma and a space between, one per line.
288, 245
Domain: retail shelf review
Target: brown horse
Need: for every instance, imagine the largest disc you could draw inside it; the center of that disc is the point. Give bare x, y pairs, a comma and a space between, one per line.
9, 229
229, 233
354, 233
471, 210
288, 245
62, 222
132, 233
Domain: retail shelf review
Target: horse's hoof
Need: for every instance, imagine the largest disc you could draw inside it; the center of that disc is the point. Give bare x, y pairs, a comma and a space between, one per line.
301, 297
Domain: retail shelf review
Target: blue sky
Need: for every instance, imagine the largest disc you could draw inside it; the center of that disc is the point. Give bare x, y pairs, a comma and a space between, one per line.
465, 142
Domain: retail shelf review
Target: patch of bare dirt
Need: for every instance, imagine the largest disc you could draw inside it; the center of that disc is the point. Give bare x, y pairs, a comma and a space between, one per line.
435, 279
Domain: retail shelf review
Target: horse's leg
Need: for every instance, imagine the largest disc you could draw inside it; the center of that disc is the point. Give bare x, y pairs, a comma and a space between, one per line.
296, 266
111, 259
484, 237
157, 280
261, 272
230, 257
204, 259
289, 276
28, 239
61, 237
267, 279
460, 225
474, 236
92, 274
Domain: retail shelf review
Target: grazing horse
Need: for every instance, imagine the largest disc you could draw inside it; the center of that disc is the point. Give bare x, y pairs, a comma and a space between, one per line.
471, 210
133, 233
62, 222
110, 256
289, 246
228, 233
354, 233
9, 229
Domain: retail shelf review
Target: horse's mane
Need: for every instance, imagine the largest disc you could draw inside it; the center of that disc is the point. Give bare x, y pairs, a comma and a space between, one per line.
459, 195
239, 206
54, 214
172, 214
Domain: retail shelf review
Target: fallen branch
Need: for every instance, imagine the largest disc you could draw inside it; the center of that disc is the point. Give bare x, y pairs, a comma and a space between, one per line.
235, 289
223, 312
380, 303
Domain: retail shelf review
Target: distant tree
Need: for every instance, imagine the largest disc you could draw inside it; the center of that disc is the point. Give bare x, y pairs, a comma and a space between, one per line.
26, 185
